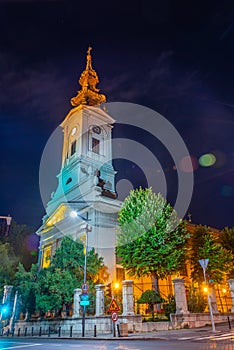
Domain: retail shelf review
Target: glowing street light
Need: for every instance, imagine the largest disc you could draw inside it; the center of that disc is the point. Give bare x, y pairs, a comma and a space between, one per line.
88, 228
204, 263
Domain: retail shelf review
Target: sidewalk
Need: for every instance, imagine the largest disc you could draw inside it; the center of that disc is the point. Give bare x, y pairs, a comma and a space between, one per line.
180, 334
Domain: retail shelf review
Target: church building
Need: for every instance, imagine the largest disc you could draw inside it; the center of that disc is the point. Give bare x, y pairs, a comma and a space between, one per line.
85, 203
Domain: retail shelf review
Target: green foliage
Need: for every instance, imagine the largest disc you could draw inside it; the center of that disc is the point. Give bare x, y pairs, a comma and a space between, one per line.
226, 239
170, 306
23, 242
204, 245
55, 285
151, 297
8, 265
151, 239
197, 301
26, 283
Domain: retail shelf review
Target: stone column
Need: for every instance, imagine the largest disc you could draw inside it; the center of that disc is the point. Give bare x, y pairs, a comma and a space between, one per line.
213, 300
180, 296
127, 291
7, 294
231, 286
100, 299
76, 302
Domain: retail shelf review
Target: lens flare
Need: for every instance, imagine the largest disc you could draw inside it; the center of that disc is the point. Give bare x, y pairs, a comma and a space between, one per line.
207, 160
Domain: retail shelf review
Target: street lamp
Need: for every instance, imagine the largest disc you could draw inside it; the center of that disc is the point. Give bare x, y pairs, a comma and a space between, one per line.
204, 263
88, 228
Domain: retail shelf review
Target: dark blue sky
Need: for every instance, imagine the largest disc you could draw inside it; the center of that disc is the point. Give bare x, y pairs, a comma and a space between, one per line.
175, 57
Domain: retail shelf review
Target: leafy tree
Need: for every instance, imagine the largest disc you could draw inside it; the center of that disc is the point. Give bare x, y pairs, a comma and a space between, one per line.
170, 306
151, 239
23, 241
8, 265
151, 297
205, 245
25, 283
197, 301
54, 289
226, 238
56, 284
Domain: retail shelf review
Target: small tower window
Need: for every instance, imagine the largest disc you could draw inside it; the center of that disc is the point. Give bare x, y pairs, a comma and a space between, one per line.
95, 145
73, 147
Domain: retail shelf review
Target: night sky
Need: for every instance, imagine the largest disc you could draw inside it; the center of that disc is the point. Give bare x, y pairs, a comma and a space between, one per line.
175, 57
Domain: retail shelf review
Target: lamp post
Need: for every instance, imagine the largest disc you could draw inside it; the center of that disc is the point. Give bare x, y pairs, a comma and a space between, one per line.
88, 228
204, 263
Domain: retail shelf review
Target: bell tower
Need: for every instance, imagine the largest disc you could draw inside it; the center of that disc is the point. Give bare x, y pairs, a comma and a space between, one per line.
86, 181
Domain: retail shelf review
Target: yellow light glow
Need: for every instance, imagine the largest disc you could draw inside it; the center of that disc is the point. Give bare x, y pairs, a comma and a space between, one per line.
224, 290
116, 285
205, 289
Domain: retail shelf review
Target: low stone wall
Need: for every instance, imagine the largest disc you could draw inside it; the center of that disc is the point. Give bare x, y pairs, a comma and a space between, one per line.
104, 325
155, 326
198, 319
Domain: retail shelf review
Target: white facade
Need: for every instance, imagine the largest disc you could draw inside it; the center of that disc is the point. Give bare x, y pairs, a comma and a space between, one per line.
86, 183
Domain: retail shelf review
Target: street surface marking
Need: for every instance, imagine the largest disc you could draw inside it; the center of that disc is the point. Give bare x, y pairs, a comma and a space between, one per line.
26, 345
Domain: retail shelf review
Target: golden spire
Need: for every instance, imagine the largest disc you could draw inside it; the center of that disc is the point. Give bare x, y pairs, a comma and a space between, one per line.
89, 94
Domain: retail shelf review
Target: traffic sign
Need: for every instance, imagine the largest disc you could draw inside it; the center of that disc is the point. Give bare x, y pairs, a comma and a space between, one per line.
84, 299
114, 316
114, 307
85, 287
204, 263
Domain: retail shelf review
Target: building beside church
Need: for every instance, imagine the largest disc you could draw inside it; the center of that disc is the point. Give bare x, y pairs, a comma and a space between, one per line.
86, 182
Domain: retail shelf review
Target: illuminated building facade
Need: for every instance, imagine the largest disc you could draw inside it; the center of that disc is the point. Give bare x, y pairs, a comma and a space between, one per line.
86, 182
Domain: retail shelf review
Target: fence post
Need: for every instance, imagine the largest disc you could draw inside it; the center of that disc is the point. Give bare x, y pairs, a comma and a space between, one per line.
18, 332
32, 331
40, 332
49, 332
95, 331
8, 332
13, 332
59, 331
25, 331
71, 331
229, 323
118, 330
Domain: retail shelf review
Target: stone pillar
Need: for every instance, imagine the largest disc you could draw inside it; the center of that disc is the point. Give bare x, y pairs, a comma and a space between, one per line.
100, 299
180, 296
76, 302
127, 293
213, 300
231, 286
7, 294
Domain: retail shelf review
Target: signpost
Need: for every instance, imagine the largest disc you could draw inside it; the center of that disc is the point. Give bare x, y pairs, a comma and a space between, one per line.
204, 263
114, 308
114, 316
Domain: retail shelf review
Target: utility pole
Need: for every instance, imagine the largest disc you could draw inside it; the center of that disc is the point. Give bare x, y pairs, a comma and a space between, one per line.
204, 263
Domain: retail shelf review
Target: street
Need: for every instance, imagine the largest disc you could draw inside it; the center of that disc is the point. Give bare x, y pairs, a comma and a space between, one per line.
53, 344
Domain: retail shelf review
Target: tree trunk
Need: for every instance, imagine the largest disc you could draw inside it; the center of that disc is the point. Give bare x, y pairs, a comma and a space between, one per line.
155, 285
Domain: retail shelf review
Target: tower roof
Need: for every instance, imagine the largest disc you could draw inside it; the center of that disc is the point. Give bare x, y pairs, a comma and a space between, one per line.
88, 95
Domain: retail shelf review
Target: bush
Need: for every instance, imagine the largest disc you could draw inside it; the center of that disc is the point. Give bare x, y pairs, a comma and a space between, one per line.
170, 306
196, 300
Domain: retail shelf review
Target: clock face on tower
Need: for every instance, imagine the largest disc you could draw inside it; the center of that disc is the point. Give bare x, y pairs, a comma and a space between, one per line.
96, 129
73, 131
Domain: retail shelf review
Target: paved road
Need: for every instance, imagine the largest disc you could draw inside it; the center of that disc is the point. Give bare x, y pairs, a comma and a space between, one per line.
202, 343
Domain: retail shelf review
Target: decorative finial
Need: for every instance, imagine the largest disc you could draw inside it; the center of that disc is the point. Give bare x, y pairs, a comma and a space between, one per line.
89, 94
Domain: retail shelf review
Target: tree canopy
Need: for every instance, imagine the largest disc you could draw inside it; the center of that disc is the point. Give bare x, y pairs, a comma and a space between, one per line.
205, 245
151, 240
53, 287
